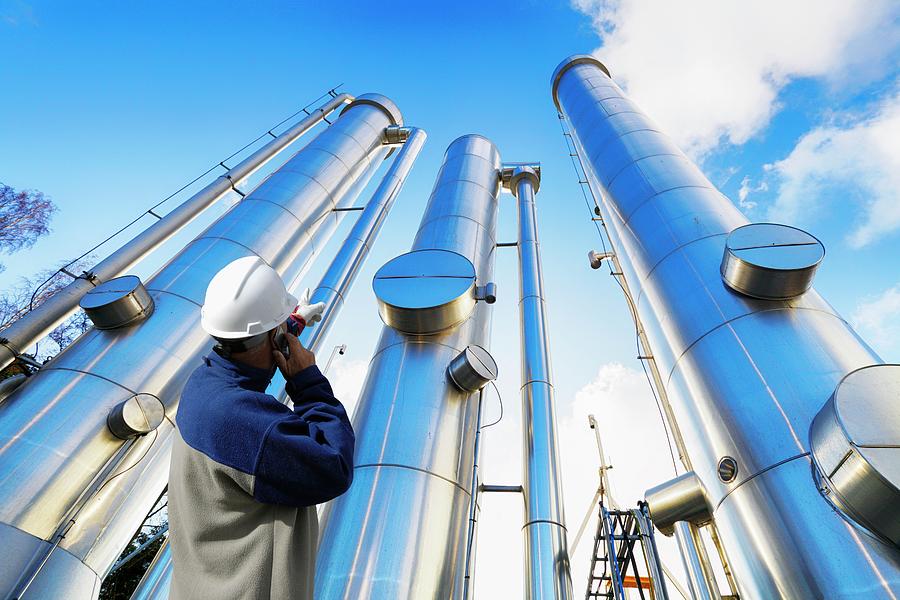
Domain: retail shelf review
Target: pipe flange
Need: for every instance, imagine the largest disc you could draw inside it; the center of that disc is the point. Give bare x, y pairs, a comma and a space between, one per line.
523, 172
384, 103
568, 63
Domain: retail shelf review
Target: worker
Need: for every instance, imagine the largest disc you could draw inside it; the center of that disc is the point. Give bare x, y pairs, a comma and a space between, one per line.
248, 471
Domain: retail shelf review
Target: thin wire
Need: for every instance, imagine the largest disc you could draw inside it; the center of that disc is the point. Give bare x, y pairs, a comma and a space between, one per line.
181, 189
500, 399
133, 465
581, 174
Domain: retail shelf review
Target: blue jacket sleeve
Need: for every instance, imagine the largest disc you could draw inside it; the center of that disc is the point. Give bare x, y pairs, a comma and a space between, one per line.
306, 456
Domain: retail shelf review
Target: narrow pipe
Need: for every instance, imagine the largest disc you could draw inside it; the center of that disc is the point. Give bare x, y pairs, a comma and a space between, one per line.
745, 377
36, 324
655, 566
343, 269
43, 473
696, 564
332, 288
156, 581
468, 592
399, 532
546, 554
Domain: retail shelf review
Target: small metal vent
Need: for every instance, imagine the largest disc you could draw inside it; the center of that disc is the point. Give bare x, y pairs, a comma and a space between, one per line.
118, 302
855, 442
138, 415
426, 291
771, 261
472, 369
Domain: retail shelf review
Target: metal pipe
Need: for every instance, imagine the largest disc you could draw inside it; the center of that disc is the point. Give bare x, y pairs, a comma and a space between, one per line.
468, 591
154, 585
655, 568
332, 288
696, 563
53, 433
343, 269
139, 550
546, 553
42, 320
399, 532
745, 376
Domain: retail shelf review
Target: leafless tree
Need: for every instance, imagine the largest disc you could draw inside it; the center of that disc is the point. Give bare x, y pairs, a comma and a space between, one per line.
24, 217
31, 292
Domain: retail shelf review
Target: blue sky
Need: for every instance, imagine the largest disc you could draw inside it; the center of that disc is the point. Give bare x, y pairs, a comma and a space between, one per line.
109, 107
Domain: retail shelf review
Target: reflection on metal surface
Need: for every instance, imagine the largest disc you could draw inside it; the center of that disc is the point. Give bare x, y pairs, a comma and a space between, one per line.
745, 376
425, 291
45, 475
679, 499
400, 531
770, 261
472, 369
117, 303
856, 448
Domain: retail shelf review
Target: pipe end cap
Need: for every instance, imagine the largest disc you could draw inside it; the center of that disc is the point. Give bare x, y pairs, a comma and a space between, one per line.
568, 63
384, 103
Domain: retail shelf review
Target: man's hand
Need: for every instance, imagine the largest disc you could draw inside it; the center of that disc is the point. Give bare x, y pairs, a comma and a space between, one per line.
310, 313
300, 358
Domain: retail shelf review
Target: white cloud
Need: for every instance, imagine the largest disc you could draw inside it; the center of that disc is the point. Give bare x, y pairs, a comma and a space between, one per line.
877, 319
860, 158
748, 188
711, 70
347, 378
635, 445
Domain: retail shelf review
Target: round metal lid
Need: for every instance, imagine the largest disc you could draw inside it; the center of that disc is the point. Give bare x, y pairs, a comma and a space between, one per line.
568, 63
482, 362
425, 291
117, 302
855, 441
110, 291
771, 261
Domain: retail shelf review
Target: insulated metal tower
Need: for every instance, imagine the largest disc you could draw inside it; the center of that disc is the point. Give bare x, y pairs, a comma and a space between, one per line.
750, 360
72, 490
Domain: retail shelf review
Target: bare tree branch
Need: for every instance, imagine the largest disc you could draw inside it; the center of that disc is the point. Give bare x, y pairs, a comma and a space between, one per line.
24, 217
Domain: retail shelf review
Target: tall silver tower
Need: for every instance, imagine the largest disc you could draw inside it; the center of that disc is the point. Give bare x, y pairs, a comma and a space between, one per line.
749, 359
400, 531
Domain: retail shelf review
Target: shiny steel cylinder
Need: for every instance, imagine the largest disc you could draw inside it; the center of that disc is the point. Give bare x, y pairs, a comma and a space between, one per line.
400, 531
679, 499
53, 434
332, 288
547, 573
745, 376
43, 319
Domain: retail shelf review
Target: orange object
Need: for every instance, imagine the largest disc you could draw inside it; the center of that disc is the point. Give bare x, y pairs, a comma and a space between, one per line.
631, 582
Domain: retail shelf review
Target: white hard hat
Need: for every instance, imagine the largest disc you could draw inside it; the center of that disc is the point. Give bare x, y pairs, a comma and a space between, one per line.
246, 298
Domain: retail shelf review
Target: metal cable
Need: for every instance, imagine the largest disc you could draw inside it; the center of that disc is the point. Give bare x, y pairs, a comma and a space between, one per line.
331, 92
499, 399
581, 174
